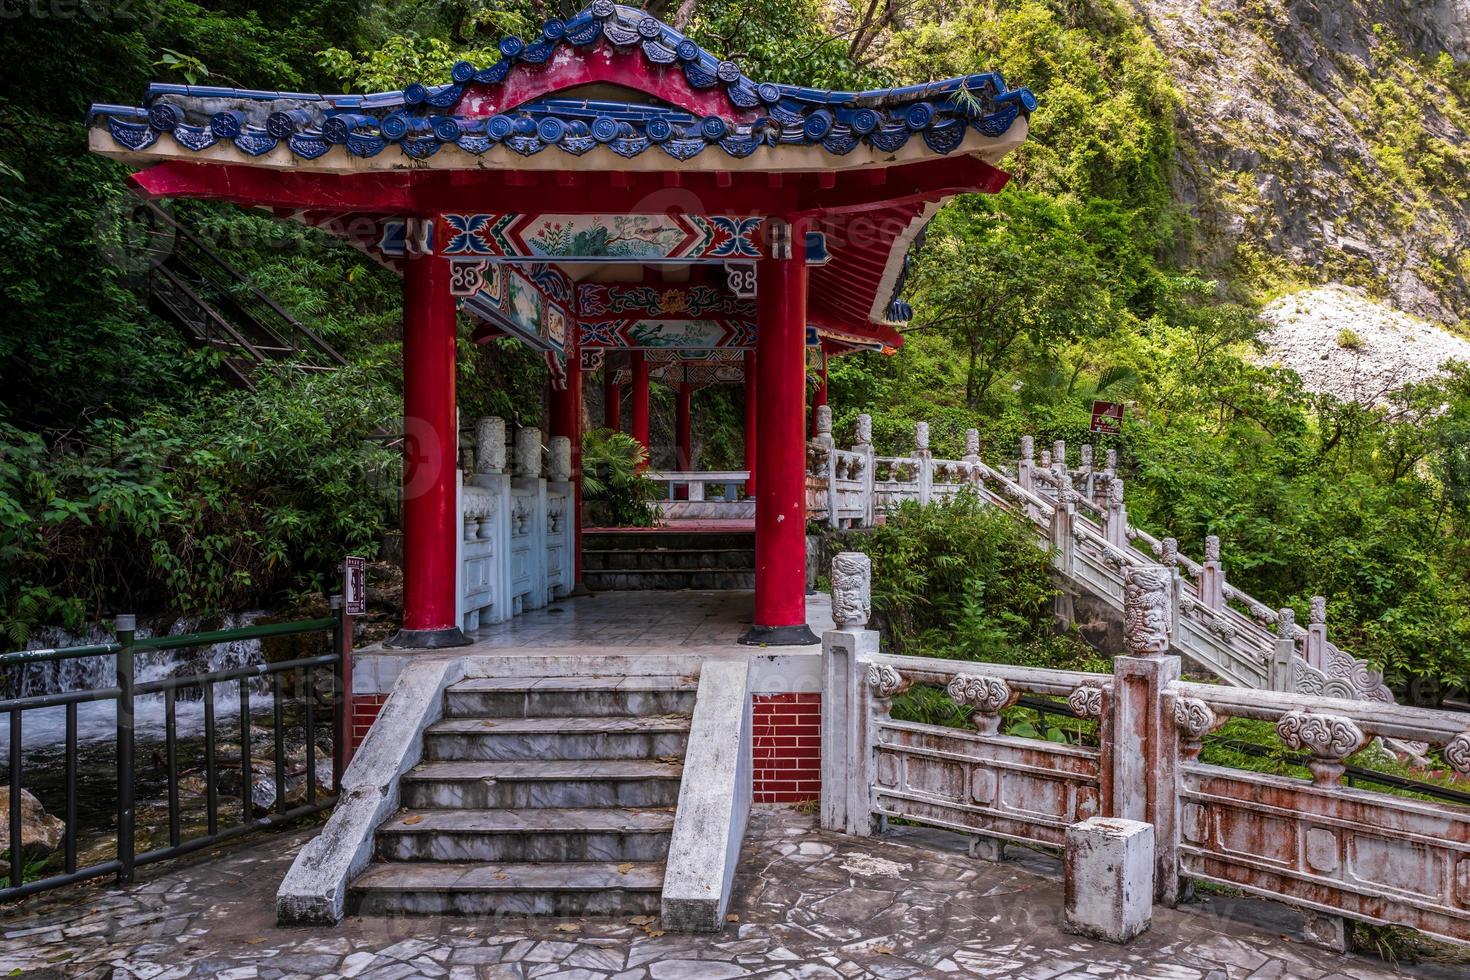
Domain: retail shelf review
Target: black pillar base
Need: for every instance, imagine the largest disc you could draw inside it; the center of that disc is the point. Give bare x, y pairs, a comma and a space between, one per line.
451, 636
780, 636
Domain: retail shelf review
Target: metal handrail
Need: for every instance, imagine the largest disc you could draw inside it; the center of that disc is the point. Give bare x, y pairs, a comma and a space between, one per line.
125, 691
240, 277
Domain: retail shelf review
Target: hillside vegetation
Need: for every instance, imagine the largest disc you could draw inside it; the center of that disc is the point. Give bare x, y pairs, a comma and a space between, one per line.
1127, 260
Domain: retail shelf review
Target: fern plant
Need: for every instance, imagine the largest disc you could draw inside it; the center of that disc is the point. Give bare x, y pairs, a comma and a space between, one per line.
615, 492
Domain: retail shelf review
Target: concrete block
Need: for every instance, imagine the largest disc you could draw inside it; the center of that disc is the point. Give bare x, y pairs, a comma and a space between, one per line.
1331, 932
714, 802
1109, 878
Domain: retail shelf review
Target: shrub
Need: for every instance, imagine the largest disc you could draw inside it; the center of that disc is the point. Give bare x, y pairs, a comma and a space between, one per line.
962, 580
615, 493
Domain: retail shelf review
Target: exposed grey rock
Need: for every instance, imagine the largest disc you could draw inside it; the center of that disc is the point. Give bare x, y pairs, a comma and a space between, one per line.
1285, 146
1345, 345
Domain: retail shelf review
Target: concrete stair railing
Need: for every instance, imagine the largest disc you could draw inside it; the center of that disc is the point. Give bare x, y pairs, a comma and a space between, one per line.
1080, 513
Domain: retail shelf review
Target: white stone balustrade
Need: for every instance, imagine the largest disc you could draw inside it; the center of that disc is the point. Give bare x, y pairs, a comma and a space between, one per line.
1082, 517
516, 549
1348, 853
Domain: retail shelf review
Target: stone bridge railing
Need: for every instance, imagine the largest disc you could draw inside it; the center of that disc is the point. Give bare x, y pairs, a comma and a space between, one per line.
1080, 513
1333, 851
517, 546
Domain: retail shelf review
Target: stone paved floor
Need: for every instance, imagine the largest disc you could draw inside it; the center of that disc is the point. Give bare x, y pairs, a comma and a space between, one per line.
808, 904
652, 621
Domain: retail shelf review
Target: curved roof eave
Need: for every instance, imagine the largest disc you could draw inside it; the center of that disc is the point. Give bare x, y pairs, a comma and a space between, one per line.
506, 115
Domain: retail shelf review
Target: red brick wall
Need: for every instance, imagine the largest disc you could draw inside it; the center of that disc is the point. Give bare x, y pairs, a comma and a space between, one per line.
365, 708
787, 750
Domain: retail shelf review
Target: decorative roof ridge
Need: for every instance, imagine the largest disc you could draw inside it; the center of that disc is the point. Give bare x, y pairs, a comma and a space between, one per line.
421, 119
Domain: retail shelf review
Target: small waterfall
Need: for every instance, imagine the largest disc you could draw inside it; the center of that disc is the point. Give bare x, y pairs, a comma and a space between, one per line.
88, 673
97, 720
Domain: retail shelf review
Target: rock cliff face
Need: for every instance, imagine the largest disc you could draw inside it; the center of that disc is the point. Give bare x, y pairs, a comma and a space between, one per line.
1327, 140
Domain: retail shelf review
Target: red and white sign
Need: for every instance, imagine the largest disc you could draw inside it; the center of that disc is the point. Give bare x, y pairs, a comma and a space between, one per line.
354, 586
1107, 418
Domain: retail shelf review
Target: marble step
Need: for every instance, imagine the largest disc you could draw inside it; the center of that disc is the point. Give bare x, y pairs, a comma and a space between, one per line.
633, 579
507, 739
576, 697
572, 889
551, 783
655, 539
670, 559
544, 834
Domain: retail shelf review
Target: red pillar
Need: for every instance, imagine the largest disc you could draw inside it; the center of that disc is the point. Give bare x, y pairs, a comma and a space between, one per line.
683, 429
612, 397
566, 420
751, 400
780, 501
640, 396
431, 525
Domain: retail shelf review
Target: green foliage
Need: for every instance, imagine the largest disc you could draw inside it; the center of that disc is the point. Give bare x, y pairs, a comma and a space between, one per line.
963, 581
242, 496
1013, 278
615, 492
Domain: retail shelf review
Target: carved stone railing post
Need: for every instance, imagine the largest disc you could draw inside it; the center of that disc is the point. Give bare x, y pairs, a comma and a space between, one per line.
864, 448
851, 692
528, 452
1084, 467
823, 437
1316, 651
1211, 582
1115, 517
1144, 742
1105, 478
1026, 464
925, 458
559, 459
529, 515
1283, 648
972, 447
1169, 558
1059, 457
1063, 522
490, 445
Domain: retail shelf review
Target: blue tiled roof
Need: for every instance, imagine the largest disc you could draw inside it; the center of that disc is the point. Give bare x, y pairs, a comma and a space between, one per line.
419, 118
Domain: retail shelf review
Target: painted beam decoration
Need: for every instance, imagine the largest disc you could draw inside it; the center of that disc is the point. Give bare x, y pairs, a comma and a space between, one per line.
692, 334
636, 238
614, 301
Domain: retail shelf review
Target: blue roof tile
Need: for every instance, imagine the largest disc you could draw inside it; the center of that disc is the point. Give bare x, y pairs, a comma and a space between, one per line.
420, 117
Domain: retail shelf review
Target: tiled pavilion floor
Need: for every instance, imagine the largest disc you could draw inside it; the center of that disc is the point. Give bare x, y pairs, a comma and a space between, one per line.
808, 904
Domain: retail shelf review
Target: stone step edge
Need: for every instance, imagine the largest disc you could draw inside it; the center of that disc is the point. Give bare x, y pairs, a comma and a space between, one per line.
463, 770
591, 725
636, 683
612, 820
463, 876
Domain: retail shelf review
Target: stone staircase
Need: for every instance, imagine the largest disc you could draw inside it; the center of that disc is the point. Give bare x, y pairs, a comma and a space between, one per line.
537, 796
666, 559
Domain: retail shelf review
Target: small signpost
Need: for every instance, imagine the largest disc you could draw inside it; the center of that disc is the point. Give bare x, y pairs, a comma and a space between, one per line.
1107, 418
354, 576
